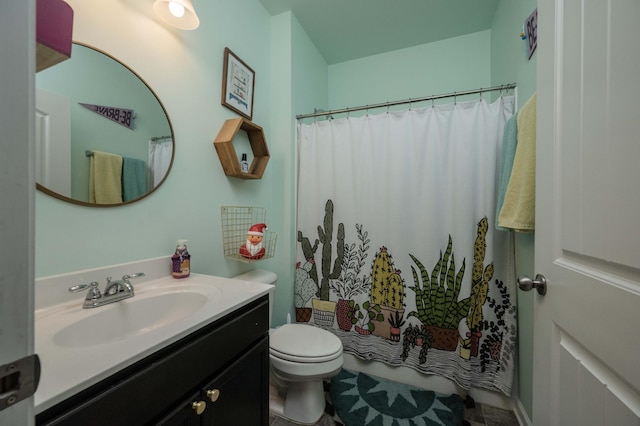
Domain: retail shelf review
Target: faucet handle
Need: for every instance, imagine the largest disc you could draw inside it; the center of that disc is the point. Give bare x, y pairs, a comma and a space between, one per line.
136, 275
92, 294
80, 287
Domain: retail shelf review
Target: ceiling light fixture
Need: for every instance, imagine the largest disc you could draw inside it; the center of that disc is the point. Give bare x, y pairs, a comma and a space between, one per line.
179, 13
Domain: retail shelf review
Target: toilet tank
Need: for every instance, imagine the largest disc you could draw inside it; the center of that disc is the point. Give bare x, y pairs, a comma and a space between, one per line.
261, 276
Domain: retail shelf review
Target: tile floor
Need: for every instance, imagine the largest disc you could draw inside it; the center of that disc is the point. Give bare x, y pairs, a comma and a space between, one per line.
486, 415
480, 415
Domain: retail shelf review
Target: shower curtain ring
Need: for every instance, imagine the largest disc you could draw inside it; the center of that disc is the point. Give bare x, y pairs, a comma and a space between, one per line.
410, 100
455, 99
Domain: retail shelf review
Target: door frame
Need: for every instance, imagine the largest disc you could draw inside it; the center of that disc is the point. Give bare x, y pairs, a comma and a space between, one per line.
17, 71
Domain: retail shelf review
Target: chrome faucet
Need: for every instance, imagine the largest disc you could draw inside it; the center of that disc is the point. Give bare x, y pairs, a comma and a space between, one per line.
113, 292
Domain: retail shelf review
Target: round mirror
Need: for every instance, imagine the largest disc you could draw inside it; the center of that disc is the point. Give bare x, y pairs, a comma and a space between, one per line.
103, 138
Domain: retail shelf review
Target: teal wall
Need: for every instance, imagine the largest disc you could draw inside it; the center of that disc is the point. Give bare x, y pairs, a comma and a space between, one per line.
185, 70
446, 66
296, 64
509, 63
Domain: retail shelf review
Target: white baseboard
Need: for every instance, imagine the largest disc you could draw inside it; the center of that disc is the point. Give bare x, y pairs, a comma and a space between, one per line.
521, 414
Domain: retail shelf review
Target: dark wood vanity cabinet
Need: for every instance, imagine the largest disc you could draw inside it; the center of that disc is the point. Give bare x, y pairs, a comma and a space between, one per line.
229, 398
218, 375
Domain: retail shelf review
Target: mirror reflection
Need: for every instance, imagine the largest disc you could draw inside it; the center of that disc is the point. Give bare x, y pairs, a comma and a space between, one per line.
103, 138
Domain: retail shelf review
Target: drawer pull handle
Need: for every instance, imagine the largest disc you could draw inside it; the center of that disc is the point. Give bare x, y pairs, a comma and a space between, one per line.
213, 395
199, 407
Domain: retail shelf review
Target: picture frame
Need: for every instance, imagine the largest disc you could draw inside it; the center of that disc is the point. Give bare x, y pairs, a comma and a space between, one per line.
238, 83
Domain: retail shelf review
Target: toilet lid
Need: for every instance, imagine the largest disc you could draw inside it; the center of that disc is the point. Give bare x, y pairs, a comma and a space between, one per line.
304, 343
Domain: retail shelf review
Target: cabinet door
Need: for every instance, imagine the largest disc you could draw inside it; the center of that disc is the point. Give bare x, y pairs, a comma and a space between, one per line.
240, 394
185, 414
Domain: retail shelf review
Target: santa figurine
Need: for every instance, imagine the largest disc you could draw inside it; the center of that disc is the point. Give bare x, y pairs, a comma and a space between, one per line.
253, 248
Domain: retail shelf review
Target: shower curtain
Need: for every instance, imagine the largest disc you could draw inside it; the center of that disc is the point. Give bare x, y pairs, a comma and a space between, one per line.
160, 151
397, 252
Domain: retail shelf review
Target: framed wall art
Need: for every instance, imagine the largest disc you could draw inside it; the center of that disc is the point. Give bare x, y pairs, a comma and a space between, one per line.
238, 80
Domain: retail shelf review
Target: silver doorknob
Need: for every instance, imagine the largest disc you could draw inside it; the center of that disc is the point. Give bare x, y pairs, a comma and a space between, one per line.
527, 284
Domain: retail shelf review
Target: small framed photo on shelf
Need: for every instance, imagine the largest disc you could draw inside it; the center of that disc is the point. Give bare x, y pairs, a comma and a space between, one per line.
238, 80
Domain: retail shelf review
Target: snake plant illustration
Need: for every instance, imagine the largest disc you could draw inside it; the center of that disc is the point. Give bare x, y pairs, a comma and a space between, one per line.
437, 304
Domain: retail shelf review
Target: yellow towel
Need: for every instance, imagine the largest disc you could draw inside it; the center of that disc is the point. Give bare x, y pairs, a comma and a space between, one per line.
105, 178
519, 206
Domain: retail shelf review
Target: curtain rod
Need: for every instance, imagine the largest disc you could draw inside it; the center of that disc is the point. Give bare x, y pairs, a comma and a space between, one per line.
503, 87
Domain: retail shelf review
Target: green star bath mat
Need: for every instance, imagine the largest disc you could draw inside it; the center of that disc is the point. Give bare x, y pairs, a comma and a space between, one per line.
360, 399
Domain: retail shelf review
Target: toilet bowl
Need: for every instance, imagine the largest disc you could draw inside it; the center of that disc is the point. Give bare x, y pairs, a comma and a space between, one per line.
301, 357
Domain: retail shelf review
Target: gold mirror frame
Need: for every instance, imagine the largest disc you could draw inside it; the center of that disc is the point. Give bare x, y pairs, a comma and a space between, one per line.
62, 197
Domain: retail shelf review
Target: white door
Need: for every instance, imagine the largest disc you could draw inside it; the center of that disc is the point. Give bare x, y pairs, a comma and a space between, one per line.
586, 337
17, 186
53, 141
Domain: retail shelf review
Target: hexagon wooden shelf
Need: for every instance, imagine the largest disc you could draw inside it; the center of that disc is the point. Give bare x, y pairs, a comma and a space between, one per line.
227, 154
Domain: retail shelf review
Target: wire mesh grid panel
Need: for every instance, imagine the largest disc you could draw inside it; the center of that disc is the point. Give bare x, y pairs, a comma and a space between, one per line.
237, 221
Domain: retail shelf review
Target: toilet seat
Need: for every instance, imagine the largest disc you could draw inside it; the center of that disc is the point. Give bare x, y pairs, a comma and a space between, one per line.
304, 344
305, 360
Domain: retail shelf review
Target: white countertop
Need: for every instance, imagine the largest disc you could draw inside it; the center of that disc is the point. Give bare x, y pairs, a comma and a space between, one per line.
70, 368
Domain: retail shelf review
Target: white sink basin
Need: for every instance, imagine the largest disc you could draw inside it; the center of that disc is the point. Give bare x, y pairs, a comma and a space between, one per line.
129, 318
79, 347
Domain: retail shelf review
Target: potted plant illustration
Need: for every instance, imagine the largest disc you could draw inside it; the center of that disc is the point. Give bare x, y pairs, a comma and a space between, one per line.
304, 289
362, 318
500, 337
323, 308
437, 304
351, 283
396, 322
465, 348
416, 336
387, 290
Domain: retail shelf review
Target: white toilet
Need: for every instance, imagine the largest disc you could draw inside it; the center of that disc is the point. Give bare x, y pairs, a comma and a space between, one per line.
301, 357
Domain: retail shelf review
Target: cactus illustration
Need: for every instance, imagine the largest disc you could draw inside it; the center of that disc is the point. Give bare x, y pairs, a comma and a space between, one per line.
387, 286
437, 301
325, 237
479, 250
305, 287
309, 252
395, 291
387, 290
479, 279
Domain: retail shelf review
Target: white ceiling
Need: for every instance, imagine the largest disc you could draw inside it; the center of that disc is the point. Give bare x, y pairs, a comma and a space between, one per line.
343, 30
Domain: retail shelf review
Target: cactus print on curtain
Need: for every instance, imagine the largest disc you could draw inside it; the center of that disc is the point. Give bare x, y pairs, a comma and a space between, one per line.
395, 251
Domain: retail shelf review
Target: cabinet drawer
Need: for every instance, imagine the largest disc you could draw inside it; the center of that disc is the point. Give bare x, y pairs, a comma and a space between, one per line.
152, 386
